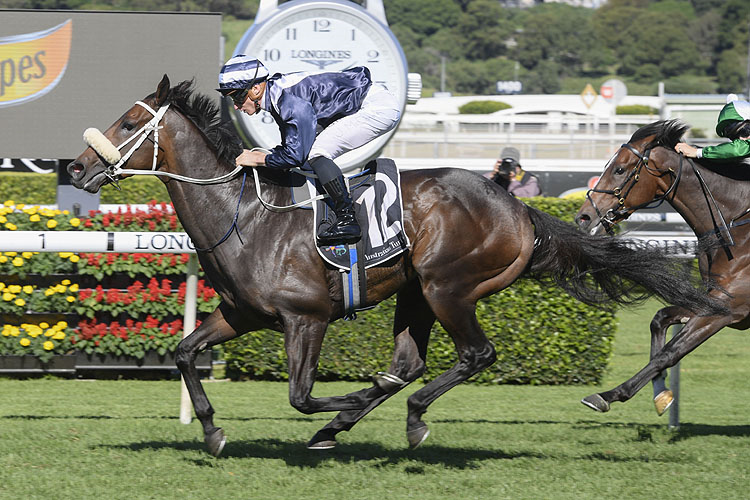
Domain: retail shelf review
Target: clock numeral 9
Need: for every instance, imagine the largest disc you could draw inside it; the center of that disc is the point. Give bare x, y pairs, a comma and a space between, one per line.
372, 56
271, 54
322, 25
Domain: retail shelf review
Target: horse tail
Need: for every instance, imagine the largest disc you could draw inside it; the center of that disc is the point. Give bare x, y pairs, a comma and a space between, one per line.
601, 270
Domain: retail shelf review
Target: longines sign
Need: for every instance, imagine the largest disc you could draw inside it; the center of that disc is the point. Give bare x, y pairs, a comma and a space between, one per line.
64, 71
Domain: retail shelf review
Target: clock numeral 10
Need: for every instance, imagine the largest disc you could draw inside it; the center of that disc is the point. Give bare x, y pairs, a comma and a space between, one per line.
322, 25
271, 54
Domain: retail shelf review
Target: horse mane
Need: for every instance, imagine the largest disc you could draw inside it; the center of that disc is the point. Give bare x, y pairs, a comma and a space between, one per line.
206, 115
666, 133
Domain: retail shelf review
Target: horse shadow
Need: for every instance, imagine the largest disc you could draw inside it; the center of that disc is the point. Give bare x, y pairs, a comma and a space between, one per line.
294, 454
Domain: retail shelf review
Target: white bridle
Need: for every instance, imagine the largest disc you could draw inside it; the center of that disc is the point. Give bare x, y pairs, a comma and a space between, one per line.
111, 153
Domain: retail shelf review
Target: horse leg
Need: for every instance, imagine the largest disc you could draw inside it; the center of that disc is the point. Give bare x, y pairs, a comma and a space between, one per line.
662, 320
475, 353
214, 330
303, 338
696, 331
411, 329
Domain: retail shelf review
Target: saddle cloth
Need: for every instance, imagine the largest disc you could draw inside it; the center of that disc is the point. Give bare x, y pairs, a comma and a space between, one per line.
376, 192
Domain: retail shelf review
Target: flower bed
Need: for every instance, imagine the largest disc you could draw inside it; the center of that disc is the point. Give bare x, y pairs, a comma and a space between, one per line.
137, 312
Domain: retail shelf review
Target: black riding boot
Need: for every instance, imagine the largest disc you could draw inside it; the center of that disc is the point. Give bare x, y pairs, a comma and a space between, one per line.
345, 229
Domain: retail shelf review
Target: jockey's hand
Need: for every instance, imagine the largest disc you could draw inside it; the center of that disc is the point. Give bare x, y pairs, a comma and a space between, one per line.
251, 158
686, 149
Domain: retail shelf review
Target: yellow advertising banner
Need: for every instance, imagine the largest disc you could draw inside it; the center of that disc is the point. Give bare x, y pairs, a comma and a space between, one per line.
32, 64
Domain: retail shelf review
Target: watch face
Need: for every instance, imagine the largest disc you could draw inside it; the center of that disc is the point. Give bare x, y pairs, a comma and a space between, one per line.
323, 36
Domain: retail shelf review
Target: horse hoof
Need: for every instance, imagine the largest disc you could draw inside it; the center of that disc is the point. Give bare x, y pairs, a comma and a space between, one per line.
322, 441
215, 442
388, 382
596, 402
417, 436
663, 401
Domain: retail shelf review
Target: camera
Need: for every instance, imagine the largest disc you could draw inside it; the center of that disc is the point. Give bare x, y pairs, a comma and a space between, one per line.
507, 166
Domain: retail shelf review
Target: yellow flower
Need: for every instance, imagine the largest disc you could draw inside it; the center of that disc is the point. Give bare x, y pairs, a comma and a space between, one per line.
2, 285
51, 223
75, 222
3, 220
26, 255
17, 261
65, 282
9, 203
48, 292
20, 206
43, 324
48, 346
24, 342
73, 288
15, 289
50, 332
3, 259
65, 255
70, 298
7, 297
28, 289
62, 324
20, 302
74, 258
60, 288
35, 218
10, 226
15, 331
58, 336
11, 254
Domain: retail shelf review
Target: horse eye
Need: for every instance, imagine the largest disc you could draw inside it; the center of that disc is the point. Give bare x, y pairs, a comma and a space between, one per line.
128, 126
619, 171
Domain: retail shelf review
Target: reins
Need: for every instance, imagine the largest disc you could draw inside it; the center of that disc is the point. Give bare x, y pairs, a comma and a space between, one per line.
97, 141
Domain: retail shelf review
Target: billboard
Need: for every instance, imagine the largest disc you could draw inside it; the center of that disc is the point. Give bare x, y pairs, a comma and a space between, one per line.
64, 71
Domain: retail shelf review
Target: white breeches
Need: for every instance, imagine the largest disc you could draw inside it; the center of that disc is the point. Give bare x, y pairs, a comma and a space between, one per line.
379, 114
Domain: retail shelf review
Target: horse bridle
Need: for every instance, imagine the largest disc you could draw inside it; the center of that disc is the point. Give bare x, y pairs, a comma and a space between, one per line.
621, 192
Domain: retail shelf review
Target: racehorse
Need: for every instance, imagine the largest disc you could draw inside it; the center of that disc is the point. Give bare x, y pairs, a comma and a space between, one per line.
469, 239
645, 172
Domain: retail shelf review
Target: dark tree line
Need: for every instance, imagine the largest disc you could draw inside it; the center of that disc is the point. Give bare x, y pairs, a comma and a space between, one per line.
691, 45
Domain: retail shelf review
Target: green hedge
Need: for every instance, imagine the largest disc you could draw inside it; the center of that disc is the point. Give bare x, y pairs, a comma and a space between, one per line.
482, 107
41, 189
542, 336
636, 109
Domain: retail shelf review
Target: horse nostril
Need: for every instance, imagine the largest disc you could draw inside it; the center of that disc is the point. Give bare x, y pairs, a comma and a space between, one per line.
75, 169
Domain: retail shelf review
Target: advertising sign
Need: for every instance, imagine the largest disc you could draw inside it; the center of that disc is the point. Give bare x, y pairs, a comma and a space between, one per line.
64, 71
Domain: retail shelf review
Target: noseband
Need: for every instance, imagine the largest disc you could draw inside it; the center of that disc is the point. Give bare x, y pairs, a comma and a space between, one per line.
621, 192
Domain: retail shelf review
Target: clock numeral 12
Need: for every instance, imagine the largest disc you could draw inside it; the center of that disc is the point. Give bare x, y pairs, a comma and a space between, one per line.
322, 25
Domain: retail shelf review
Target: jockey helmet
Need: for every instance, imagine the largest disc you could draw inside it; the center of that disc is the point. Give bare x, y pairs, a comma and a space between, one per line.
241, 72
734, 112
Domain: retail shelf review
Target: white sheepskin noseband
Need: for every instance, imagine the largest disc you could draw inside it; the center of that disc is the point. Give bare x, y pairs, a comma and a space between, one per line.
103, 146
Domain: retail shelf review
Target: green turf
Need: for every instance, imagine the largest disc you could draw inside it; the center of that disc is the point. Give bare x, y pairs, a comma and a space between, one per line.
76, 439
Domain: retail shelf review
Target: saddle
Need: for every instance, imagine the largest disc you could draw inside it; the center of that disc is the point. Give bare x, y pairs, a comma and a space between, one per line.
376, 192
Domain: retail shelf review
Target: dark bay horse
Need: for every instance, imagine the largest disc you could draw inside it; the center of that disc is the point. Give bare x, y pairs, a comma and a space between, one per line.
469, 239
712, 197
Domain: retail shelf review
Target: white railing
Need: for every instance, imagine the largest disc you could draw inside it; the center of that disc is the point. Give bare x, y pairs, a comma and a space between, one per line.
120, 242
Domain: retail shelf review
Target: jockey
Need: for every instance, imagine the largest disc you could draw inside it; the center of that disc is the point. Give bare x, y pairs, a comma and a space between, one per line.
321, 115
734, 124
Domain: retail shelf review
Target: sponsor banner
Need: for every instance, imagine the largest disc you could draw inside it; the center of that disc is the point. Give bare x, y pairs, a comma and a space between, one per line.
28, 165
85, 241
32, 64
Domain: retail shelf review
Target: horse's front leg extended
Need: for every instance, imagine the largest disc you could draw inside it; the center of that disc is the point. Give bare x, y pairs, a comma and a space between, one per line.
214, 330
662, 320
303, 338
696, 331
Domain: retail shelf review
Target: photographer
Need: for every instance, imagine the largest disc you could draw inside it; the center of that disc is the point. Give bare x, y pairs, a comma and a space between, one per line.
509, 174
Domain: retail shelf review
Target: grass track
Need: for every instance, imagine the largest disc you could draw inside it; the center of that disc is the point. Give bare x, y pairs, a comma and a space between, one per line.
72, 439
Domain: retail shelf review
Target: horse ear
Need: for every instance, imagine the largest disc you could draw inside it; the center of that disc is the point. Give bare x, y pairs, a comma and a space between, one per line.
162, 91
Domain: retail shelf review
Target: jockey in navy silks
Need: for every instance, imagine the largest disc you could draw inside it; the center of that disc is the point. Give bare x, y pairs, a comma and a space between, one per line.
321, 115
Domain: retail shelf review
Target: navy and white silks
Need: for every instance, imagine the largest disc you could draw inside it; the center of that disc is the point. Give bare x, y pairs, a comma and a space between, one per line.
326, 114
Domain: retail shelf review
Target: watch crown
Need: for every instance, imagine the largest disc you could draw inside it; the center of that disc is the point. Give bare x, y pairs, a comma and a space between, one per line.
414, 88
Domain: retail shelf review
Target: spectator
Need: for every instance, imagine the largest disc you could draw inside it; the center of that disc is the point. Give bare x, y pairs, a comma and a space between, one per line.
509, 174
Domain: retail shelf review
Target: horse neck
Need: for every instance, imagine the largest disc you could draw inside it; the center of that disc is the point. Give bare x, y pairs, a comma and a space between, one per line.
704, 204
